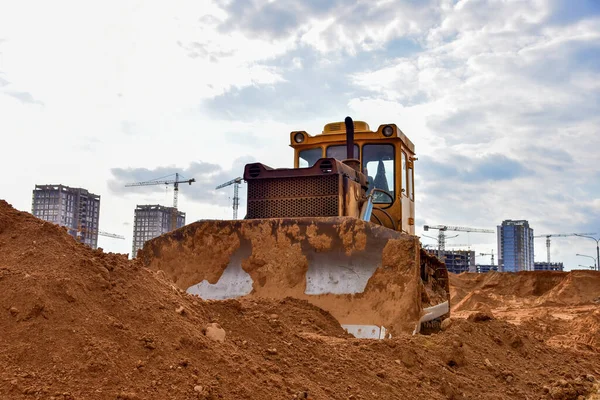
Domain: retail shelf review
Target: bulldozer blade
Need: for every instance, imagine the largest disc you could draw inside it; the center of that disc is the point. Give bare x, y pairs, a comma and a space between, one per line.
367, 276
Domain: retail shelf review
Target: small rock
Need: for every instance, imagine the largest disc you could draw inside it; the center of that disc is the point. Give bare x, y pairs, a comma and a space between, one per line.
546, 389
408, 360
273, 316
562, 382
198, 388
446, 324
488, 363
590, 378
214, 332
509, 379
272, 351
398, 362
13, 311
381, 374
180, 310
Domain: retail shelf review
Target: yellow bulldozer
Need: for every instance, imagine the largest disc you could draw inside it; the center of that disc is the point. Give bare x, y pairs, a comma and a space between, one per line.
337, 230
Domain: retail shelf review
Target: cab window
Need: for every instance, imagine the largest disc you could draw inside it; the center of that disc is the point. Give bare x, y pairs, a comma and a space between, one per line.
411, 188
308, 158
340, 152
379, 166
404, 175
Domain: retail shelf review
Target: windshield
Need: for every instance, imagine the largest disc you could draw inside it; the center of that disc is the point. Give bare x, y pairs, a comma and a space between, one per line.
308, 158
378, 163
340, 152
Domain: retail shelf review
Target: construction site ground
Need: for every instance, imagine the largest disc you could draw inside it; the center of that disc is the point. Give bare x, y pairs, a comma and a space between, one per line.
77, 323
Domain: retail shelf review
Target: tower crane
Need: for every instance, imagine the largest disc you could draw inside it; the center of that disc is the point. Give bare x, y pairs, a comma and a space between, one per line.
558, 235
236, 199
81, 230
442, 233
489, 254
175, 182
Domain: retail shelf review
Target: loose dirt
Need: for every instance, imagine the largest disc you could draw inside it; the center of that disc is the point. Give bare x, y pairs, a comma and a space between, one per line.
82, 324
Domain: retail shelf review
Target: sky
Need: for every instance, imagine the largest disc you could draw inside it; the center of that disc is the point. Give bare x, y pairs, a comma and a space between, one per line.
500, 97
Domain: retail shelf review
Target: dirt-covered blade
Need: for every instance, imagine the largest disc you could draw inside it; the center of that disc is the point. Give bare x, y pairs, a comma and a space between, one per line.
363, 274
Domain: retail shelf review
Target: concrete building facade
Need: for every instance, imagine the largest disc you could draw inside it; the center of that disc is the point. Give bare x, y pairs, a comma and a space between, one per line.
75, 208
515, 246
151, 221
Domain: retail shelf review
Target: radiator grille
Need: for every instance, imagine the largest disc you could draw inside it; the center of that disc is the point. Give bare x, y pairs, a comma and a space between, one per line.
305, 196
302, 186
290, 208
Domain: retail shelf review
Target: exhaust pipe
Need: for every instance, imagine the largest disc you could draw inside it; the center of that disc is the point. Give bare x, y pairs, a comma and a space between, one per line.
350, 160
349, 138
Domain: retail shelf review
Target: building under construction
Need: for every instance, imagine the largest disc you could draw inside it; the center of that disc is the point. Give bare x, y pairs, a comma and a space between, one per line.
151, 221
484, 269
546, 266
456, 261
75, 208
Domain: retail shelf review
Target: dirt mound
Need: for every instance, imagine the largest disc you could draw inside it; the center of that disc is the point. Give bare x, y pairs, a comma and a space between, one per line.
532, 287
82, 324
477, 300
577, 287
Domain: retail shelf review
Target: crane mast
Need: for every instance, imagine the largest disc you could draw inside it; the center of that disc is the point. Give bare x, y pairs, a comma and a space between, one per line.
236, 198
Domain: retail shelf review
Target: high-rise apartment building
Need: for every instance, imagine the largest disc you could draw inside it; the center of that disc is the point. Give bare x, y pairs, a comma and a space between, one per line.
75, 208
515, 246
151, 221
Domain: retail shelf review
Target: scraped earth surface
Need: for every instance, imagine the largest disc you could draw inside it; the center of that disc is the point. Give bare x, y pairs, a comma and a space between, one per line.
82, 324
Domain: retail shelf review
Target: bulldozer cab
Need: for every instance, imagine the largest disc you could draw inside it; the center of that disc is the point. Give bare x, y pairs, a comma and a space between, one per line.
386, 157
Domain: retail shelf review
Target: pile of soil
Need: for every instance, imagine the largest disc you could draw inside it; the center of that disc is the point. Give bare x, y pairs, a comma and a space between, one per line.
82, 324
571, 288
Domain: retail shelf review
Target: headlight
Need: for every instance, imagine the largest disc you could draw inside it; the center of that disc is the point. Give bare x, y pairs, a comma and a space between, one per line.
388, 131
298, 137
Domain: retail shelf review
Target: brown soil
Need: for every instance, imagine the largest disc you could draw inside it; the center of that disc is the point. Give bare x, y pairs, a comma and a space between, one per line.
83, 324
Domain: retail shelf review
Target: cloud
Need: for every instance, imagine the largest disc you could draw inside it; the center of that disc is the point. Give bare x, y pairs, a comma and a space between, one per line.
272, 19
24, 97
316, 90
